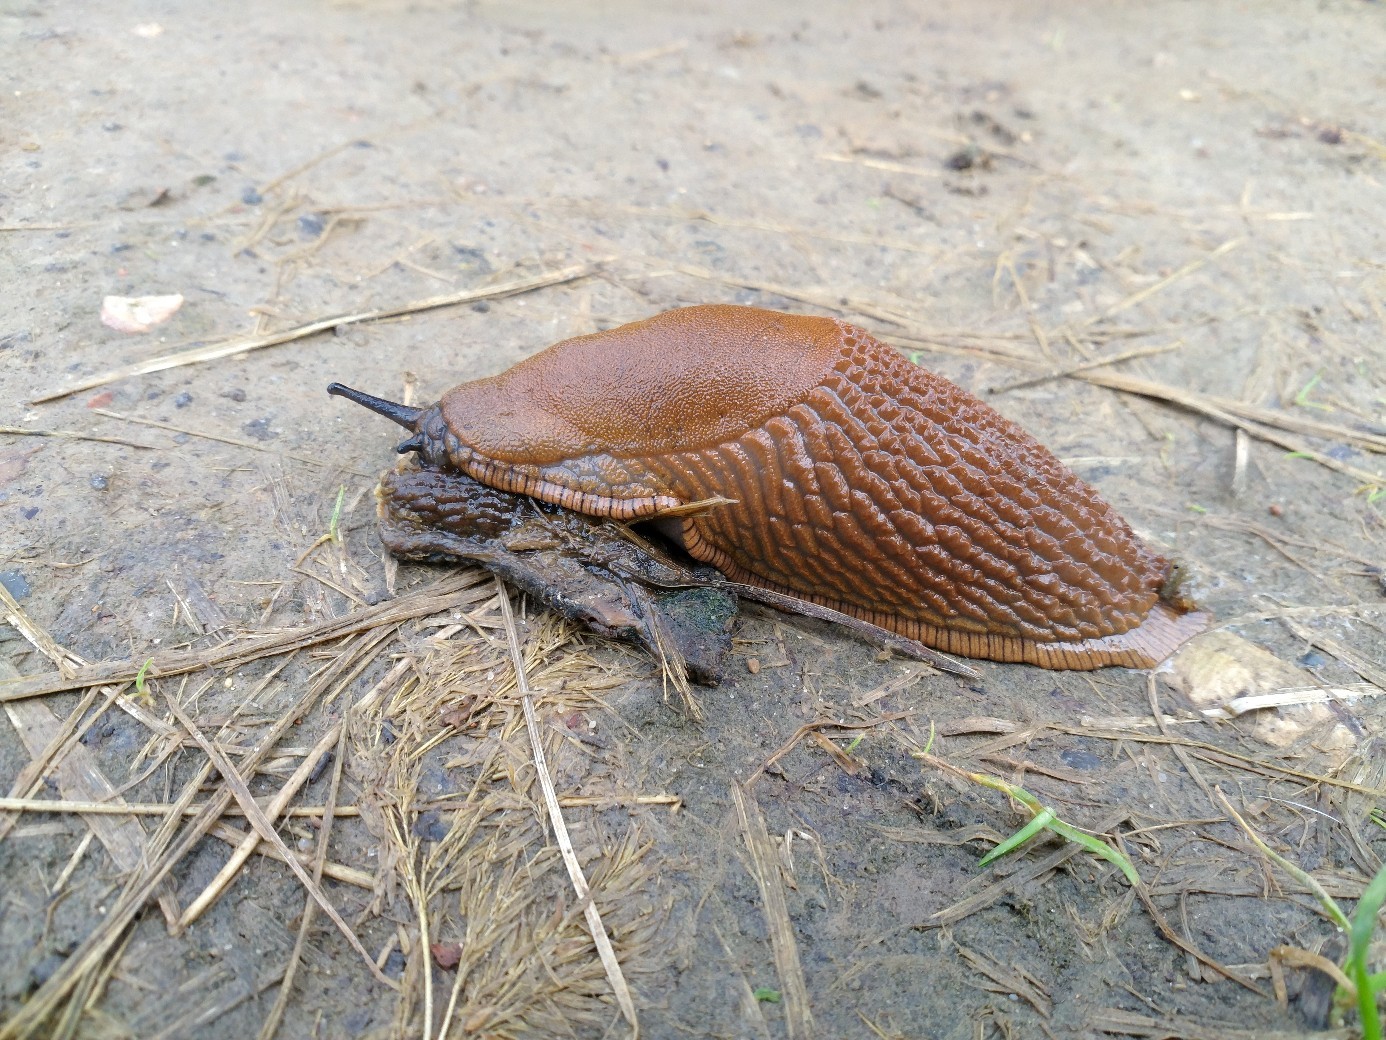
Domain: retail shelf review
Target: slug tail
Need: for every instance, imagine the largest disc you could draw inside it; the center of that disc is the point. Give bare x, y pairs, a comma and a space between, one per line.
1164, 630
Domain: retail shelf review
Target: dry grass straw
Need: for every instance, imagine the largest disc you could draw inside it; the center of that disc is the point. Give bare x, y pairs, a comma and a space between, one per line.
1202, 867
814, 728
281, 799
765, 868
244, 345
54, 748
456, 590
270, 1026
1271, 425
16, 431
64, 995
1008, 979
124, 808
528, 961
59, 1003
474, 869
1116, 1022
319, 461
565, 845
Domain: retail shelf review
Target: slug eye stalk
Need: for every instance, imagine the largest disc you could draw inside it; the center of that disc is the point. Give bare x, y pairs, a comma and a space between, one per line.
402, 414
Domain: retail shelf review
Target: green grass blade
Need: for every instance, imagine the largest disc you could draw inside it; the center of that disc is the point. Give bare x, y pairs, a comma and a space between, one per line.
1359, 945
1364, 917
1098, 848
1020, 837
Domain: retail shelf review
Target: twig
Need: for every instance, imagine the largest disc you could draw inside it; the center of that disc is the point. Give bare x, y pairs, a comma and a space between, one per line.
565, 845
873, 634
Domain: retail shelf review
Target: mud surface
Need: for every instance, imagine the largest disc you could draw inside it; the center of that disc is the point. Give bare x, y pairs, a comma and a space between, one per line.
999, 189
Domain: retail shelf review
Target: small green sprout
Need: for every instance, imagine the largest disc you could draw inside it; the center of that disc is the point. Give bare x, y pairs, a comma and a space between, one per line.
140, 690
1046, 819
1302, 398
1359, 930
334, 530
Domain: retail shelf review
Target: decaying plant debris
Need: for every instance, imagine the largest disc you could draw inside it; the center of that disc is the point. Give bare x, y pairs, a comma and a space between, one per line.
1158, 252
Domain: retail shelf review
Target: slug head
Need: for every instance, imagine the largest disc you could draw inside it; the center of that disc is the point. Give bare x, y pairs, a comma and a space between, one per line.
426, 424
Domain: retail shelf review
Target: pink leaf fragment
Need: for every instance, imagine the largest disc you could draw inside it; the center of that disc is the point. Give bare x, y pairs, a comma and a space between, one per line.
138, 313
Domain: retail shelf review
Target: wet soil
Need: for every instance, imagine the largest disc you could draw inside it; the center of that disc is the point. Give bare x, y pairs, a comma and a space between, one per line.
1000, 189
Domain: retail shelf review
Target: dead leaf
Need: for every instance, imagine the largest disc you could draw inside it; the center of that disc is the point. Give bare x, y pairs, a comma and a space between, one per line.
138, 313
13, 464
458, 716
144, 198
1218, 669
446, 955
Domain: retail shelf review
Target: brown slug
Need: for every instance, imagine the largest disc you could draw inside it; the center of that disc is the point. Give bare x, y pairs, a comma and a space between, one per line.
833, 470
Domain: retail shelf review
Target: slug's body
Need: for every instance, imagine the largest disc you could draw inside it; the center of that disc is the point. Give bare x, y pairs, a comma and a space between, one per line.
849, 477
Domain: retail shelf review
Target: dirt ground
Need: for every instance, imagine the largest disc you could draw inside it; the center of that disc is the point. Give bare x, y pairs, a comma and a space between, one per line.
1191, 192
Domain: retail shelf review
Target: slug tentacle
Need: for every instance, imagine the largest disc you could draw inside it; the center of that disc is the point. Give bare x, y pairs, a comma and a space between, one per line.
849, 478
400, 413
430, 439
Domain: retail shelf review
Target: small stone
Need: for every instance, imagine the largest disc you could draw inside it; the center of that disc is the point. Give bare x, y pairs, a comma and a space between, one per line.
1076, 758
15, 584
260, 430
430, 826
